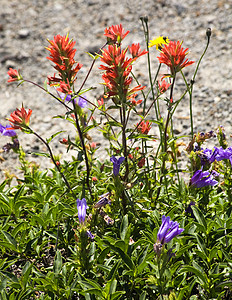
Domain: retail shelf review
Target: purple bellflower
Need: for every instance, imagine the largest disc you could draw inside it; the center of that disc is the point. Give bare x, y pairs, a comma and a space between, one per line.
208, 155
116, 164
224, 154
81, 207
7, 132
203, 178
168, 230
82, 102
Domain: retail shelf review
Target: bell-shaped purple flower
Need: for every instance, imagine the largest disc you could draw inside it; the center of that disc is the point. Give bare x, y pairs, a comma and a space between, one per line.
208, 156
168, 230
116, 164
203, 178
224, 154
81, 208
7, 132
82, 102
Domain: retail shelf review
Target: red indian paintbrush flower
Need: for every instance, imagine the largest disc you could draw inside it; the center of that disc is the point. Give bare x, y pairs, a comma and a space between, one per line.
115, 34
117, 70
62, 54
174, 56
14, 75
20, 118
136, 51
144, 127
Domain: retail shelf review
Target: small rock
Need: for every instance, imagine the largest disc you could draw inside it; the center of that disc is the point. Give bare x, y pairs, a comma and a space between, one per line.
23, 33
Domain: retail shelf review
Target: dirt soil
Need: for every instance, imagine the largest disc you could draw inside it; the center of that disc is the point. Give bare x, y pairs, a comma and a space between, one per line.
25, 25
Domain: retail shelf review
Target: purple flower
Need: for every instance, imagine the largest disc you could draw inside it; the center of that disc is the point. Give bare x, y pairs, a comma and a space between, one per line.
90, 235
7, 132
65, 97
224, 154
168, 230
116, 164
104, 200
208, 155
201, 179
82, 102
81, 207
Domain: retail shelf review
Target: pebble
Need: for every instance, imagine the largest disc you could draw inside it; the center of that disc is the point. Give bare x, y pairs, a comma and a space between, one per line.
23, 33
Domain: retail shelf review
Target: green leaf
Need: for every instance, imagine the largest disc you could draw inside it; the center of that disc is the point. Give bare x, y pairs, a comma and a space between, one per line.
200, 217
10, 239
113, 271
40, 154
26, 272
124, 227
200, 275
54, 135
57, 263
143, 296
117, 295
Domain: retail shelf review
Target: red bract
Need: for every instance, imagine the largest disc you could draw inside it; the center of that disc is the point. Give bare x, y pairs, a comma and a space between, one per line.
115, 34
133, 101
117, 70
144, 127
136, 51
163, 86
20, 118
100, 102
14, 75
62, 54
64, 88
174, 56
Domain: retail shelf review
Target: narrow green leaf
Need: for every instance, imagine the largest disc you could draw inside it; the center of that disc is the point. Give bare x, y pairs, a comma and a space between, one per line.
57, 263
200, 217
10, 239
124, 227
54, 135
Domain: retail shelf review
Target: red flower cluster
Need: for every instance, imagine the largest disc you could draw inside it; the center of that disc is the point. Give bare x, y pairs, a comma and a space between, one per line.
144, 127
20, 118
62, 54
118, 67
174, 56
115, 34
117, 71
14, 75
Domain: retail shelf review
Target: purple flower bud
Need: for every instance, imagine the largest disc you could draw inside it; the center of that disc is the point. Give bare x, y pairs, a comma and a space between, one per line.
81, 207
116, 164
168, 230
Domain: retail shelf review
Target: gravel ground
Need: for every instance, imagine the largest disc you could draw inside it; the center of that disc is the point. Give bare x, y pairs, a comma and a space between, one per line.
25, 25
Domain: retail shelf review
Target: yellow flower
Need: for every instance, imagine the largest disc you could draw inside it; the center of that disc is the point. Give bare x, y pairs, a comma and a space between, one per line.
159, 42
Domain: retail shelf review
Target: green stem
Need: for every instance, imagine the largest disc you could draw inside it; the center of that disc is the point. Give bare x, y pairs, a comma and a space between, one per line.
208, 34
83, 148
